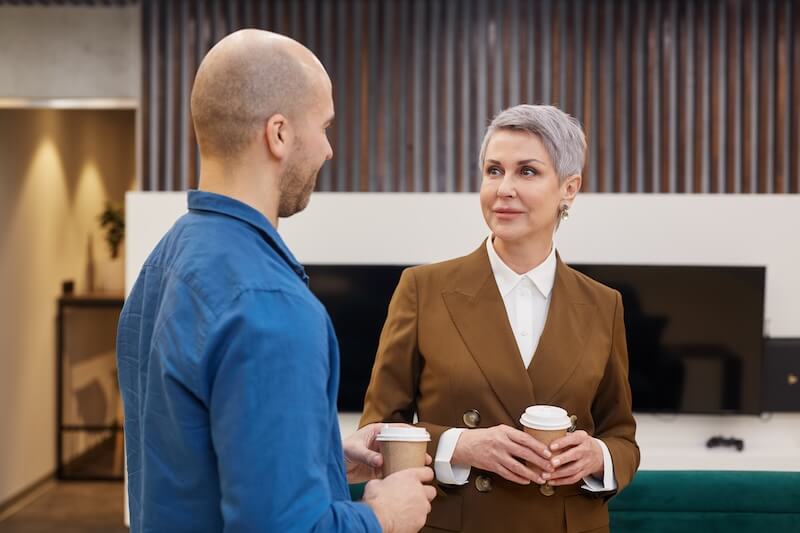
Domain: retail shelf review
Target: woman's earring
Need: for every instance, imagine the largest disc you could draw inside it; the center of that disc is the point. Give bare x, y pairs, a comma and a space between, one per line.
563, 213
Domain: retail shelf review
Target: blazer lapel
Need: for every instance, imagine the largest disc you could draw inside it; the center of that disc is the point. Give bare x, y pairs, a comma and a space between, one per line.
561, 346
478, 312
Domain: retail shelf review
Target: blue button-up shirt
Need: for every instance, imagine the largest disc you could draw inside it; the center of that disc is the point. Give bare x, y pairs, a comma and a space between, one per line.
229, 370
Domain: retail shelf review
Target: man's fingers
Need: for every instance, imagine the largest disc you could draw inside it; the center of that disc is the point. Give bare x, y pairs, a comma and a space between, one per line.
365, 456
430, 492
374, 459
422, 473
428, 459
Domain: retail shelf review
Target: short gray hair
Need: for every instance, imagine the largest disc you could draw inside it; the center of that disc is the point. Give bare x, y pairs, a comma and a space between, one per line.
561, 135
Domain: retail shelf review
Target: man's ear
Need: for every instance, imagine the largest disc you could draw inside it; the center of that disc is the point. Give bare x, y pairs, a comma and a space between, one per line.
570, 187
276, 135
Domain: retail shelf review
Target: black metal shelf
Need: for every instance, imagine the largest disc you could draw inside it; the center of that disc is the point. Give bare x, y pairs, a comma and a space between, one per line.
102, 460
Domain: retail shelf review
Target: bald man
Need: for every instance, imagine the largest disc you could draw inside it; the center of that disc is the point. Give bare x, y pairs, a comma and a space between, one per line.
228, 365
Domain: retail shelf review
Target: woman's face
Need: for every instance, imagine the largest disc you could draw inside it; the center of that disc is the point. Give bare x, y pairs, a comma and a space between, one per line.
520, 192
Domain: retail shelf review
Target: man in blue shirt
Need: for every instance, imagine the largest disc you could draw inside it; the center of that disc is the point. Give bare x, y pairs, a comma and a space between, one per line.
228, 365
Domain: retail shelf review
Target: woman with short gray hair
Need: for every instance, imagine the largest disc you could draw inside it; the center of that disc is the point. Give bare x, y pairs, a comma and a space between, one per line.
470, 344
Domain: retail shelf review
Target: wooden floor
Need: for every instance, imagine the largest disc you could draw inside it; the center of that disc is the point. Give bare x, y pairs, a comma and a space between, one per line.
74, 507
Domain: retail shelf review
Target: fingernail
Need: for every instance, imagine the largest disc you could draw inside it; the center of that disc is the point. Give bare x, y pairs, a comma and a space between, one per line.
548, 454
556, 462
554, 446
546, 476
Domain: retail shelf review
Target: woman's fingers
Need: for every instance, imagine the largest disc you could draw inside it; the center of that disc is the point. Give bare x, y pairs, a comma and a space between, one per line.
569, 456
523, 439
511, 476
525, 453
574, 469
575, 438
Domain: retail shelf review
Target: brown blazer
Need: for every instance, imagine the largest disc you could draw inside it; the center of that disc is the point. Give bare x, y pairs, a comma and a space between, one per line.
447, 348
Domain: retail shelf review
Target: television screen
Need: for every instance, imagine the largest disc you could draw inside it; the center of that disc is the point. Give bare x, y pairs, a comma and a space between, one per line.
694, 333
357, 298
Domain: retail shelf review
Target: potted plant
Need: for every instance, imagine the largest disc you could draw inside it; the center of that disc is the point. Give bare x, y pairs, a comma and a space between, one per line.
112, 272
112, 220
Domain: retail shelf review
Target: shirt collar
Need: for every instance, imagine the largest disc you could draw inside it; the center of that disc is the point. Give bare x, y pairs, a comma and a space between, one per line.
543, 275
225, 205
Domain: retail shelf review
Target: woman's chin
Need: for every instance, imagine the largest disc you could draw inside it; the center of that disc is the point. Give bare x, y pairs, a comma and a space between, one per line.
506, 234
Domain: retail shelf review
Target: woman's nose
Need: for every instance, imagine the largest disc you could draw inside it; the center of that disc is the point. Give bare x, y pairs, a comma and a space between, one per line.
506, 187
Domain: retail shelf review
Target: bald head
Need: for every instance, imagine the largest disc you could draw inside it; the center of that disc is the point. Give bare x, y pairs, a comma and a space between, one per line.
246, 78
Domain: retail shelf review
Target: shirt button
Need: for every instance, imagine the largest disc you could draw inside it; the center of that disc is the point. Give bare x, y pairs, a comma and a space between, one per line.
523, 333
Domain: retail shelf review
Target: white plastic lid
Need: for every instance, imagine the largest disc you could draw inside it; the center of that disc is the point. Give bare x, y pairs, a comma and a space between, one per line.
545, 417
403, 433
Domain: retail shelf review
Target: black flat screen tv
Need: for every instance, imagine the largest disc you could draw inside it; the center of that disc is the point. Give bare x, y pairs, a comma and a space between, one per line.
694, 333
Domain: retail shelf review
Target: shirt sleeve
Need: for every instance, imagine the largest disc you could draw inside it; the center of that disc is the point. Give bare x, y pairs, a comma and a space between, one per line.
446, 472
271, 416
608, 482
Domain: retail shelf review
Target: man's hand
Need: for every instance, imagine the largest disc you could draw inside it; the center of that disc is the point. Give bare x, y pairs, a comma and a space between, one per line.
362, 459
401, 501
579, 456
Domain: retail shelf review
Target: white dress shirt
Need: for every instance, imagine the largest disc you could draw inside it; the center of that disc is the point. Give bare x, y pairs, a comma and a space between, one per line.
527, 299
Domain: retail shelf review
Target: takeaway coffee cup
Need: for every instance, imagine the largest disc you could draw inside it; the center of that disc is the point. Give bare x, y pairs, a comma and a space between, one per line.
545, 423
402, 447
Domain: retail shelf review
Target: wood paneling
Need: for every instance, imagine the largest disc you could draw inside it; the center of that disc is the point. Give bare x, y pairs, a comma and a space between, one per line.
676, 96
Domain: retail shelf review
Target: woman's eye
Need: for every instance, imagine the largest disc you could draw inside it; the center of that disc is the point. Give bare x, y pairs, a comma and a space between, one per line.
493, 171
528, 171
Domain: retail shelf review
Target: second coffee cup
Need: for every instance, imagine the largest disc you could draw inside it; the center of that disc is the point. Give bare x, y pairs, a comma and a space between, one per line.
402, 447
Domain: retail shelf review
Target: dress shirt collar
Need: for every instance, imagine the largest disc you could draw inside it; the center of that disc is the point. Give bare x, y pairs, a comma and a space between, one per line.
224, 205
543, 275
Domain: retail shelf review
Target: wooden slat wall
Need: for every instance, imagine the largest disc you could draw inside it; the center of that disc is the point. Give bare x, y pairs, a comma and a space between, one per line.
678, 96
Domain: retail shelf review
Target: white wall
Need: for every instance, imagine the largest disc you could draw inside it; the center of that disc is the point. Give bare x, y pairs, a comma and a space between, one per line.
620, 229
70, 52
602, 228
57, 168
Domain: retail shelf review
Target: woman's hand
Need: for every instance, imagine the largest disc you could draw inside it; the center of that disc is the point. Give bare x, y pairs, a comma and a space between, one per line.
499, 449
577, 456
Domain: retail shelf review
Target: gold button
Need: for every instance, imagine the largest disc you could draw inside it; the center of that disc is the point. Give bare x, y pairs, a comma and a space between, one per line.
573, 423
483, 483
547, 490
472, 418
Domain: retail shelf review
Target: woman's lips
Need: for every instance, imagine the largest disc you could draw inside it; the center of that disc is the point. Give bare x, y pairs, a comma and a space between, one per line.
504, 213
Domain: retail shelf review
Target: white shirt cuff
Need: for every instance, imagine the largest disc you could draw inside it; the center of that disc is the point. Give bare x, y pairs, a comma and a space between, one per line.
608, 482
446, 472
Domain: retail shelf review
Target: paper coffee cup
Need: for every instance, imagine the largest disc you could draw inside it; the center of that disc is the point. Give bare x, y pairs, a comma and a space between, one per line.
402, 447
545, 423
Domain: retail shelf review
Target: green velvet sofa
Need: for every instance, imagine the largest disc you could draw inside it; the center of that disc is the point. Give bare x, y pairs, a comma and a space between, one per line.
703, 501
709, 502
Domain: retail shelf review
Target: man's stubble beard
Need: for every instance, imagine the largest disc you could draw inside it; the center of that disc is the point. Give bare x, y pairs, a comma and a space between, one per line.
296, 186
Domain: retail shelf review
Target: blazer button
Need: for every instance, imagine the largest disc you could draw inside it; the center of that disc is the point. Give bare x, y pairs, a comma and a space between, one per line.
483, 483
472, 418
